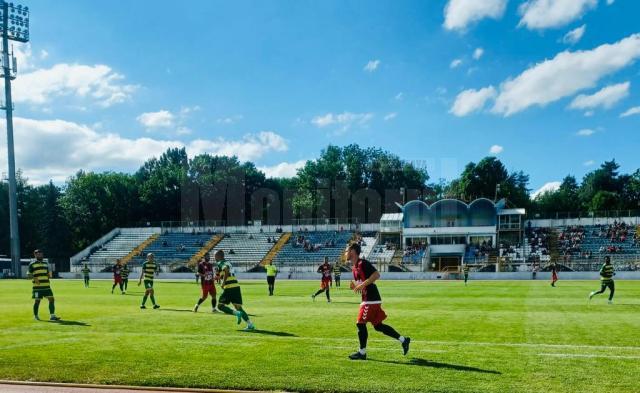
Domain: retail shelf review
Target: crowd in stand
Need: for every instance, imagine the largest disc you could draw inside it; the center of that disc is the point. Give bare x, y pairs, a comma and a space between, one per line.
308, 246
414, 249
570, 240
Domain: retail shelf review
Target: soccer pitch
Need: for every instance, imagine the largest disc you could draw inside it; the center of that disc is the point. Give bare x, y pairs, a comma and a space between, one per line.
499, 336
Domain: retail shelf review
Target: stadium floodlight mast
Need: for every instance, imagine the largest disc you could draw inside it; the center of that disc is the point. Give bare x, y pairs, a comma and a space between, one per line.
15, 27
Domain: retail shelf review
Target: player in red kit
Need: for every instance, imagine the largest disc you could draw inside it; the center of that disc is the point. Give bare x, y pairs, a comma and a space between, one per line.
207, 277
365, 276
325, 283
117, 277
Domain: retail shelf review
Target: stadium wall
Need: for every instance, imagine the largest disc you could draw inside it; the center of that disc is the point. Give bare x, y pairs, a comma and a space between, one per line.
541, 276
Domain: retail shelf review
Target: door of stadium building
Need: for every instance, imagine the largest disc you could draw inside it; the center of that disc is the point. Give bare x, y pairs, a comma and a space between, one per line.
446, 262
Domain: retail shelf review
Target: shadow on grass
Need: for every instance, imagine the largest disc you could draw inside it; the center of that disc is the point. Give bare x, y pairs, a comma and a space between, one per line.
177, 310
343, 302
270, 333
69, 323
428, 363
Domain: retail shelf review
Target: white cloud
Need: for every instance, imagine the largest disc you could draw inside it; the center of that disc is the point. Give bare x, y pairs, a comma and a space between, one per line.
477, 54
588, 163
159, 119
496, 149
458, 14
43, 54
455, 63
544, 14
399, 96
283, 169
564, 75
574, 35
182, 130
589, 113
79, 146
609, 2
585, 132
390, 116
631, 111
471, 100
605, 97
372, 65
229, 120
548, 187
345, 120
98, 83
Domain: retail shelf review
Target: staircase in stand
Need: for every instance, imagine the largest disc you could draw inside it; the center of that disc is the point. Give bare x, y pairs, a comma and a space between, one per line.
210, 244
139, 248
275, 249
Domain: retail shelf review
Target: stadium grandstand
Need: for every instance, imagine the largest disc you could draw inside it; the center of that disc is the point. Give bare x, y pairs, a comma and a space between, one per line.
486, 235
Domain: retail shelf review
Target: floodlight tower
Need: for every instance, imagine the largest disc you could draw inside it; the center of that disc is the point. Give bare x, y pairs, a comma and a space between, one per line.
14, 26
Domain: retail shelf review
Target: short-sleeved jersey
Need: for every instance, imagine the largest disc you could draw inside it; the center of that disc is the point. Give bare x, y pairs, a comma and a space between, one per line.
124, 271
325, 270
231, 281
116, 270
85, 271
606, 273
554, 268
271, 270
336, 270
362, 270
205, 269
149, 269
465, 269
39, 270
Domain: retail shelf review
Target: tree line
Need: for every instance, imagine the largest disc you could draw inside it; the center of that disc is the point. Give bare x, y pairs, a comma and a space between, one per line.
350, 182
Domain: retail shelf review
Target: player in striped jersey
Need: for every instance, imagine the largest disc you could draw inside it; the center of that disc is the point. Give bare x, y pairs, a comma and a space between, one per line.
465, 272
336, 274
365, 276
606, 280
124, 273
149, 270
40, 275
231, 293
85, 275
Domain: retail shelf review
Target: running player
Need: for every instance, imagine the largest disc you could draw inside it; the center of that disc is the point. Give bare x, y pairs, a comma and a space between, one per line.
124, 273
206, 273
85, 275
148, 271
365, 276
231, 293
117, 278
272, 272
325, 280
554, 273
606, 280
465, 272
40, 273
336, 274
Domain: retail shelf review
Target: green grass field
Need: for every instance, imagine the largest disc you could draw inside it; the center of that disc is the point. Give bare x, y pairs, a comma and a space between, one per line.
488, 337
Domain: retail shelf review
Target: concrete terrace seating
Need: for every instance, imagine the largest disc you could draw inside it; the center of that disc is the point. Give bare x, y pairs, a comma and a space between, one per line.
367, 246
118, 247
592, 242
247, 247
380, 253
293, 253
169, 251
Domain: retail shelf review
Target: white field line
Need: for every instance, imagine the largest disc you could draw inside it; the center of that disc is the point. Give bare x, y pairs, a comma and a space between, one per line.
584, 355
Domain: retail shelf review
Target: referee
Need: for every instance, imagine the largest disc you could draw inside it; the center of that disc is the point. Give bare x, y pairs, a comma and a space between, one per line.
272, 272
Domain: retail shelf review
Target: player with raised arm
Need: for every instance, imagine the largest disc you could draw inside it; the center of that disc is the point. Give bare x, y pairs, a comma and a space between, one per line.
207, 282
40, 275
231, 293
325, 280
148, 272
606, 280
365, 276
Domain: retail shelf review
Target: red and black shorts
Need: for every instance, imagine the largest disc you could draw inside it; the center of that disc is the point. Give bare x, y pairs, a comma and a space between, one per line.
117, 279
371, 313
325, 283
208, 289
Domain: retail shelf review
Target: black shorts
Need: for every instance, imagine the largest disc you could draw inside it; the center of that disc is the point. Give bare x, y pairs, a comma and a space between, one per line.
271, 280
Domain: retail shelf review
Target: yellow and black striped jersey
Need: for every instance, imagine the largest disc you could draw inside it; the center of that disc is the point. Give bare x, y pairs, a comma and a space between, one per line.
39, 271
606, 272
149, 269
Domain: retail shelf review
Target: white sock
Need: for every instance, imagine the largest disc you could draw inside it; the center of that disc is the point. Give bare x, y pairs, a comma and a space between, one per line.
401, 339
363, 351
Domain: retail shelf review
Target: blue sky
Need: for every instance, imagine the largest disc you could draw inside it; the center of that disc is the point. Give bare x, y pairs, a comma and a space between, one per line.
542, 84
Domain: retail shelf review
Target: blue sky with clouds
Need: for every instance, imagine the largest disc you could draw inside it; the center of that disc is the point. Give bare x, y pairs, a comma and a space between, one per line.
550, 87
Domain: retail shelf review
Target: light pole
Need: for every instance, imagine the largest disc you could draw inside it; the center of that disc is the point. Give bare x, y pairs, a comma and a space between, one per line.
15, 27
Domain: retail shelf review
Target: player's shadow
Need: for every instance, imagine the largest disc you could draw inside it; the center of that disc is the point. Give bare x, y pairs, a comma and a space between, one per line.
271, 333
344, 302
177, 310
69, 323
428, 363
